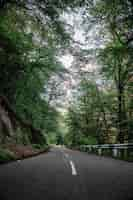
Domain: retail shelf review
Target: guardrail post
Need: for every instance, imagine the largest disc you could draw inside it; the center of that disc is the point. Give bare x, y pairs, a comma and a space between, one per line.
99, 151
115, 152
90, 149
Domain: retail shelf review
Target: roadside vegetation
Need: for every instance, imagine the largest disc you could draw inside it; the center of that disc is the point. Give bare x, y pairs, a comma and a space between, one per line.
104, 103
6, 155
32, 36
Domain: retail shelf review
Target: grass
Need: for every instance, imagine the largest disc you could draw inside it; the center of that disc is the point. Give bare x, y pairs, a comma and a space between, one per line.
40, 147
6, 155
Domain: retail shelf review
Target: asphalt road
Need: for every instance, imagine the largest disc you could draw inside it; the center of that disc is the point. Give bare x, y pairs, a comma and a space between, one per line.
64, 174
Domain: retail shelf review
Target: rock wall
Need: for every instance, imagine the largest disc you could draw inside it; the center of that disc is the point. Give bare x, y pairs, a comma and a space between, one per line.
14, 129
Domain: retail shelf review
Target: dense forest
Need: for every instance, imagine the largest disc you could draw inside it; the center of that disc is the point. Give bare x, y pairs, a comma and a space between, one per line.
33, 36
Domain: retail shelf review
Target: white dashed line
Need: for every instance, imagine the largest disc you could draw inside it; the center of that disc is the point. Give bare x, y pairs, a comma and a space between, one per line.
74, 172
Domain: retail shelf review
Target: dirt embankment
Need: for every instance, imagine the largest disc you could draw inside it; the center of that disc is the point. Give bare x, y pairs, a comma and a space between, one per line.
12, 152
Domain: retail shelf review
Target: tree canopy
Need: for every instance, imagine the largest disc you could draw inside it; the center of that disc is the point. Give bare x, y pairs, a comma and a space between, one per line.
33, 36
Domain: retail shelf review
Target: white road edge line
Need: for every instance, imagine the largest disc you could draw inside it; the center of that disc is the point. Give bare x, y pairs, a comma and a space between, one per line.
74, 172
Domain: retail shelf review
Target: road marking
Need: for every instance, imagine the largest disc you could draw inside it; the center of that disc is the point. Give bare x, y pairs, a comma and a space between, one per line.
74, 172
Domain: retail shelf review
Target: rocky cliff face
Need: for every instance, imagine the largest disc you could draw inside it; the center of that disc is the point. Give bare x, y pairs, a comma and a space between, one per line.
6, 126
14, 129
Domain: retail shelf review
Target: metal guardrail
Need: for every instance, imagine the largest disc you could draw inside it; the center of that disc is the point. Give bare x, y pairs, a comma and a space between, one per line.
122, 151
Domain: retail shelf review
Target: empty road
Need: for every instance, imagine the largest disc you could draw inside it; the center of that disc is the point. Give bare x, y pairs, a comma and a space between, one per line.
63, 174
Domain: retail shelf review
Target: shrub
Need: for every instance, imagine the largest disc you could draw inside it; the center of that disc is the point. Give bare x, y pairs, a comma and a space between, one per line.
6, 155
